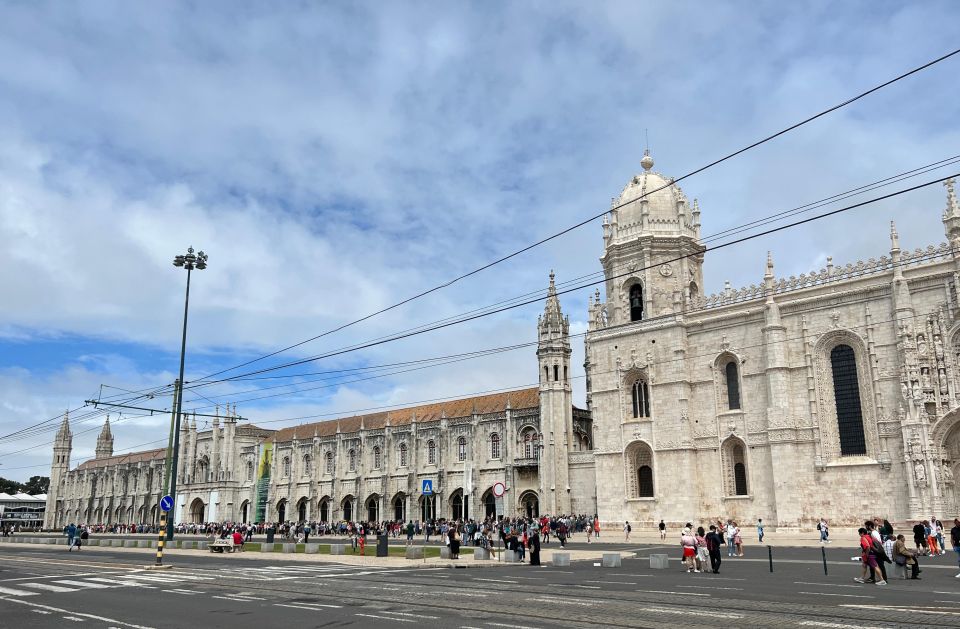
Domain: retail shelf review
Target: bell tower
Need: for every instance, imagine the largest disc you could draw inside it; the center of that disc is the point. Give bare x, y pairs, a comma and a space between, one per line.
105, 441
62, 446
652, 258
556, 405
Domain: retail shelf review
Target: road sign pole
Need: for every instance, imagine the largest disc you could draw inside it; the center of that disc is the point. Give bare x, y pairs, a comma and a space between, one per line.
162, 537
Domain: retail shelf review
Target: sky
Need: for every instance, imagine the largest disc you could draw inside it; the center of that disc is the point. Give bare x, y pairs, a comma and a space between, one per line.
334, 158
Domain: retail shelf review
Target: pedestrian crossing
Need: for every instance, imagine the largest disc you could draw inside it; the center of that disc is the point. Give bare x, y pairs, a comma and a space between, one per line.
180, 580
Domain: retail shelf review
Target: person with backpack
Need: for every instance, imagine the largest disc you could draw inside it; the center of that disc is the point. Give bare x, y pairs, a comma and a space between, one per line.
868, 560
626, 531
714, 544
71, 532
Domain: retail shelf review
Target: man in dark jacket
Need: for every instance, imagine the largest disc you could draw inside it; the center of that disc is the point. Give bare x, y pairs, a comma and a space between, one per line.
714, 544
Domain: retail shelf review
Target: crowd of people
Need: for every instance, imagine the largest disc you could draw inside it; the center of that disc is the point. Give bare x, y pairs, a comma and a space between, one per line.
879, 545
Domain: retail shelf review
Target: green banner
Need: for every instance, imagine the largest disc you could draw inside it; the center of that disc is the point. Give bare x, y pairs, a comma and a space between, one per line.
263, 480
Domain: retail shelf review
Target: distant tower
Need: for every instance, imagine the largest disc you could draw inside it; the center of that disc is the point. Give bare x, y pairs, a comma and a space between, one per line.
556, 405
62, 446
105, 441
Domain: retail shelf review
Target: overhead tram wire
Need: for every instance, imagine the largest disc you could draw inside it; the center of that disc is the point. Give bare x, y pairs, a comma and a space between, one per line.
765, 220
348, 413
597, 216
571, 336
742, 239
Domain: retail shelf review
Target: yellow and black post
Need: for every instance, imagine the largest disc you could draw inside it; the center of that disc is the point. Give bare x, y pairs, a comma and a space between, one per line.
162, 538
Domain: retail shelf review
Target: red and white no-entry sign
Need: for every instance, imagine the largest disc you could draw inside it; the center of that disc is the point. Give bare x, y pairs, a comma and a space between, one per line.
499, 489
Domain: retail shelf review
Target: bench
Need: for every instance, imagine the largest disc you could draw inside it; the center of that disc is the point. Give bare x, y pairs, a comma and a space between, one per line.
224, 545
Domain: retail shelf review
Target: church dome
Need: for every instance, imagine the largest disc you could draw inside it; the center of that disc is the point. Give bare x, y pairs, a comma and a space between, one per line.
667, 210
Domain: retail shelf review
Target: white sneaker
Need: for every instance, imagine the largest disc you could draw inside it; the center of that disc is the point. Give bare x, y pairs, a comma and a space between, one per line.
958, 575
858, 579
881, 583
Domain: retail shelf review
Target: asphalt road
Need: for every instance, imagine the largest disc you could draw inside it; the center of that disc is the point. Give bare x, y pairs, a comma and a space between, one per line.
44, 586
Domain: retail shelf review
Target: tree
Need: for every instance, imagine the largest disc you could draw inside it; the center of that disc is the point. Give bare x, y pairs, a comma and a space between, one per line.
36, 485
9, 486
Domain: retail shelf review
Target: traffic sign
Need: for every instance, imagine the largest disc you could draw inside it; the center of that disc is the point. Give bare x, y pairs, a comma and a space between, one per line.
499, 489
166, 503
427, 489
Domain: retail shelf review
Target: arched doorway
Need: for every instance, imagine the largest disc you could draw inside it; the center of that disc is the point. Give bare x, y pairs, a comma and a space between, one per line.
244, 511
456, 505
347, 507
324, 509
197, 511
489, 505
530, 504
282, 511
302, 510
949, 464
428, 507
373, 508
399, 508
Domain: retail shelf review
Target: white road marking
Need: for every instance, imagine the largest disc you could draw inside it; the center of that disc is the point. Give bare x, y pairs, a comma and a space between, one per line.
828, 594
66, 611
412, 615
84, 584
313, 609
498, 624
13, 592
830, 585
678, 593
48, 587
179, 591
953, 593
710, 587
494, 580
689, 612
561, 601
40, 611
384, 618
321, 605
833, 625
585, 587
73, 618
613, 582
892, 608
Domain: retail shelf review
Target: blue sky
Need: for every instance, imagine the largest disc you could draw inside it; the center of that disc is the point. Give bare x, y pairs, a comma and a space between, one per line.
333, 158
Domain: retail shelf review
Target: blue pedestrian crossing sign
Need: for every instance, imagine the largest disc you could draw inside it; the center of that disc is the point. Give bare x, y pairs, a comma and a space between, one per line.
427, 489
166, 503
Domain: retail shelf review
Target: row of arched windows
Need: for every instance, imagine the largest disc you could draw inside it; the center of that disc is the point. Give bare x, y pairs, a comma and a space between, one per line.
307, 467
639, 461
640, 392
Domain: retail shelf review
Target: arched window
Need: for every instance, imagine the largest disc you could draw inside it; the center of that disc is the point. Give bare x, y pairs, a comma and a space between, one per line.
376, 457
846, 393
403, 455
531, 443
431, 452
286, 466
641, 399
352, 458
307, 465
556, 373
546, 374
694, 291
494, 446
734, 458
732, 376
328, 462
461, 449
636, 302
639, 460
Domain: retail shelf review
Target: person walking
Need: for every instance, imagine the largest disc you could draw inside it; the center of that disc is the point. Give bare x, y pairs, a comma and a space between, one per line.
737, 540
868, 560
689, 545
714, 544
955, 540
410, 529
663, 530
533, 538
626, 531
878, 550
71, 532
703, 553
824, 531
596, 526
760, 529
731, 533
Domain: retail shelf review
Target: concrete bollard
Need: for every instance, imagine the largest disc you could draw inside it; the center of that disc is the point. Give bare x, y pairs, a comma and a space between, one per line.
289, 548
203, 545
481, 554
659, 562
130, 543
266, 548
611, 560
445, 552
117, 543
414, 552
311, 549
511, 556
338, 549
51, 540
561, 559
143, 543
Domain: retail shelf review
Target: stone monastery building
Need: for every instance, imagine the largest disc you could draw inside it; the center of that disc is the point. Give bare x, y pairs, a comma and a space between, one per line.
833, 394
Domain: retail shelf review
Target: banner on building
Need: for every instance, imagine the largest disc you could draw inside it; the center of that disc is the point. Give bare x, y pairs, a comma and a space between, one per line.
263, 480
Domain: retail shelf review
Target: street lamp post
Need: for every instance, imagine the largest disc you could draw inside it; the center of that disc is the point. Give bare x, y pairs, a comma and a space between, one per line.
189, 261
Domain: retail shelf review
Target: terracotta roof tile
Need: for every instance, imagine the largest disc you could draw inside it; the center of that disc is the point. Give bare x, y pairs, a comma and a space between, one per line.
483, 404
132, 457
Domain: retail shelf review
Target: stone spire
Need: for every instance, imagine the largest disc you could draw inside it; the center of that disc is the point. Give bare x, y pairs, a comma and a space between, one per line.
951, 215
105, 441
552, 320
895, 251
64, 435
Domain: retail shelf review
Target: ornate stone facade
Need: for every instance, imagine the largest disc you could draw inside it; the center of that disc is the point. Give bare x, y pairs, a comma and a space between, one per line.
831, 394
365, 467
